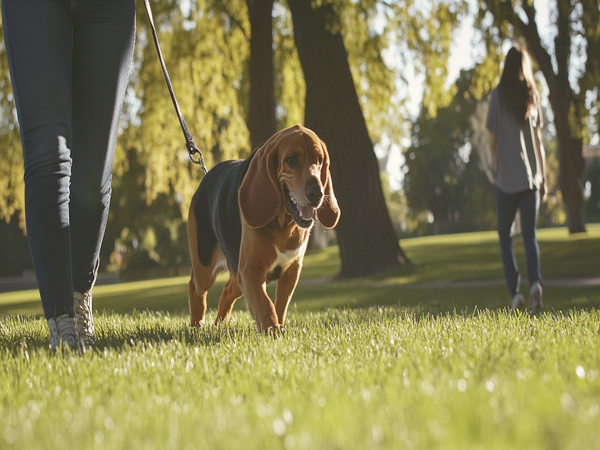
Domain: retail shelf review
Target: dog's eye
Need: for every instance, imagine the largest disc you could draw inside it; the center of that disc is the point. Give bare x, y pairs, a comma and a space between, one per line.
292, 161
320, 160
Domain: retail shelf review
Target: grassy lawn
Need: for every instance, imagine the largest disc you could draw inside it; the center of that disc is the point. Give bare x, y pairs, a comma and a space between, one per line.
392, 362
435, 259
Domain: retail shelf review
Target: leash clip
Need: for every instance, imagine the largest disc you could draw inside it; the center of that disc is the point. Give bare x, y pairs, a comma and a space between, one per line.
193, 150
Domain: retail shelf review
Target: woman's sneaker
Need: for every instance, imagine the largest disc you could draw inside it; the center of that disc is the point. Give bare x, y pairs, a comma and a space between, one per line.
535, 295
83, 317
518, 303
63, 333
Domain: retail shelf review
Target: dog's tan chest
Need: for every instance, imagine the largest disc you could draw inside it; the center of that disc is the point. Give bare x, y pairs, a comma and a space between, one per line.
283, 260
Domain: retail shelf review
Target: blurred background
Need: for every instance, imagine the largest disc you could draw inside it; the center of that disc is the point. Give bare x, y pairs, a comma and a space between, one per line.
397, 89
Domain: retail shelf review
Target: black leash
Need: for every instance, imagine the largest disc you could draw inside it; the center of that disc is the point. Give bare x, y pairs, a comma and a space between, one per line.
189, 140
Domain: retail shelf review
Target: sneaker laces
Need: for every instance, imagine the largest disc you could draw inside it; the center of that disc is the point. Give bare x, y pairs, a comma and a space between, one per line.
83, 315
62, 329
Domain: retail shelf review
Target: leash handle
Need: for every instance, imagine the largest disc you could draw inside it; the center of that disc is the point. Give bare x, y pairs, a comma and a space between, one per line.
189, 140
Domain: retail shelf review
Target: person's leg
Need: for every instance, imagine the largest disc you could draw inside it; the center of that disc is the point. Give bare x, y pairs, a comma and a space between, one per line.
529, 207
103, 48
38, 36
506, 207
102, 55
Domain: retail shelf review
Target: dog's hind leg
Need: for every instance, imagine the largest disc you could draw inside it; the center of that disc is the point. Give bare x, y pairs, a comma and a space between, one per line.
203, 278
197, 302
231, 292
206, 258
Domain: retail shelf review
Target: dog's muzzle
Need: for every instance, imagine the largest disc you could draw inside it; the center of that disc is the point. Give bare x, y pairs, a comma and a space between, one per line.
303, 215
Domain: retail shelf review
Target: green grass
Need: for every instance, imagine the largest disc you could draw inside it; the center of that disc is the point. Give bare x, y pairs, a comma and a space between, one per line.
390, 362
448, 258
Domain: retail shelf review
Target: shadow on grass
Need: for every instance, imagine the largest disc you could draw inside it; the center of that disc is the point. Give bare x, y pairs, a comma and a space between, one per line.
27, 334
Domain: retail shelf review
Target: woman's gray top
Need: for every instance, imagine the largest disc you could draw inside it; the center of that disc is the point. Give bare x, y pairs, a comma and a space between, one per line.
517, 164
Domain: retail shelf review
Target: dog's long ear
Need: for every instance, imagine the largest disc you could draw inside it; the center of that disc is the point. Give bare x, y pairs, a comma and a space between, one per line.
259, 195
329, 212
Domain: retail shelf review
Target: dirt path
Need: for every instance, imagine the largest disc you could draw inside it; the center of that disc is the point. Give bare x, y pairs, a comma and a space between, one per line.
565, 282
10, 284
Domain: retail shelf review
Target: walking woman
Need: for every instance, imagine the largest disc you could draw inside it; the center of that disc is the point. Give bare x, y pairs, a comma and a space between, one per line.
515, 121
69, 65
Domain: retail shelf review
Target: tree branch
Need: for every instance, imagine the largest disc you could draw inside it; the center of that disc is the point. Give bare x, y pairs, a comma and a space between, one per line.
530, 32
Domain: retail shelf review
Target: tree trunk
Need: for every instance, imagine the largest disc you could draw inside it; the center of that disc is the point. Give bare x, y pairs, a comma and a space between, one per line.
571, 171
570, 149
564, 107
368, 243
262, 123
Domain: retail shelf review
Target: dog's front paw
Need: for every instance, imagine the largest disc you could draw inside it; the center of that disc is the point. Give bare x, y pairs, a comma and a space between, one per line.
273, 330
198, 323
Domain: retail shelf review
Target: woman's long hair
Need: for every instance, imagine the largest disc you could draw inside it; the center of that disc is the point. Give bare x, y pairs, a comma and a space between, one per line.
517, 90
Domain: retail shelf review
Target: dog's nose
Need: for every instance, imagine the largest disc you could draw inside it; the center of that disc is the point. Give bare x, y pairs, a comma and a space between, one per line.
314, 193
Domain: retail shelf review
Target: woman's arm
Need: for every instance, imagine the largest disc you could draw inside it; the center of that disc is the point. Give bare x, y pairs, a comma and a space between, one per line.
541, 156
493, 150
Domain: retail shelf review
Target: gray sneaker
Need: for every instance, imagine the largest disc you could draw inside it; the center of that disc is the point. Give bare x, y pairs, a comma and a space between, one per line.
83, 316
518, 303
63, 334
535, 295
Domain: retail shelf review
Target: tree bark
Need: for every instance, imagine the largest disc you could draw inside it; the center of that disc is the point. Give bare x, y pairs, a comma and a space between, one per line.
262, 122
367, 241
570, 156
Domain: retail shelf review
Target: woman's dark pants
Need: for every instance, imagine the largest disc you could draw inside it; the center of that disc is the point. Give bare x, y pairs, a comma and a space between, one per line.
69, 63
527, 202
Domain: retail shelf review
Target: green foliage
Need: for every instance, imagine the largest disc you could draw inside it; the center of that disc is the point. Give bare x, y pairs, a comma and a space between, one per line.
205, 52
586, 40
373, 79
424, 34
412, 34
12, 195
396, 205
289, 78
205, 47
487, 73
143, 238
445, 189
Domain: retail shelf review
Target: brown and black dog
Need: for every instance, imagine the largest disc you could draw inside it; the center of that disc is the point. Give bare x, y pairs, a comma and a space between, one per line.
254, 218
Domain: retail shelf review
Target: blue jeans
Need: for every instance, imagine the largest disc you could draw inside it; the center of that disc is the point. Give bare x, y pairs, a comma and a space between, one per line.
69, 63
528, 202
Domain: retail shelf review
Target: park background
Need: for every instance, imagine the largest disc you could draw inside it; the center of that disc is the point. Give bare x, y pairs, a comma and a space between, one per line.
417, 355
396, 89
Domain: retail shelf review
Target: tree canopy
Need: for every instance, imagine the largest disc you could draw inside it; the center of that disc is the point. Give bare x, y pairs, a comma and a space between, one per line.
207, 46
